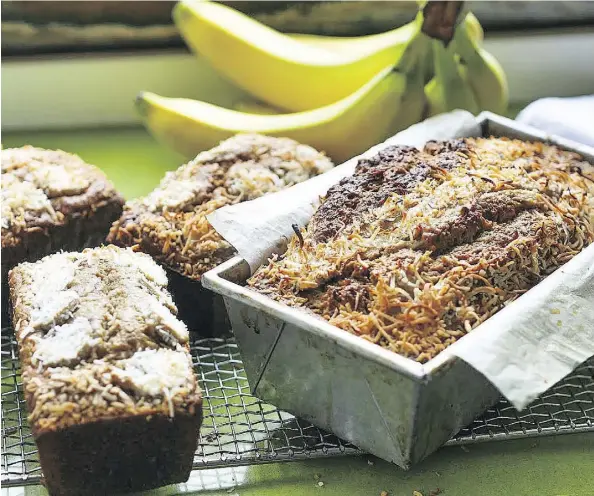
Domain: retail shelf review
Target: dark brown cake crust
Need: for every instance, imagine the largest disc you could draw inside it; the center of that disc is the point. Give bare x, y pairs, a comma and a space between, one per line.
75, 209
113, 402
393, 170
202, 310
118, 456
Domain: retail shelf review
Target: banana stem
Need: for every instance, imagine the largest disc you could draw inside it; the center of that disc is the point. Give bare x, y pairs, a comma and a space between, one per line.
440, 19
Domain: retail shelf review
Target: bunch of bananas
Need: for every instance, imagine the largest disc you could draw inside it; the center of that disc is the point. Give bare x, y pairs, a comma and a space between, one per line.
340, 95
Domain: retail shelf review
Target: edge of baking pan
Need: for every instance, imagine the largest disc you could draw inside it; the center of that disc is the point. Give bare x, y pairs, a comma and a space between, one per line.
219, 281
524, 131
226, 279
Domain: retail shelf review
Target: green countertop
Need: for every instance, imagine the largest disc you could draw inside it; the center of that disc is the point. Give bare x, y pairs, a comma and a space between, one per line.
551, 466
129, 156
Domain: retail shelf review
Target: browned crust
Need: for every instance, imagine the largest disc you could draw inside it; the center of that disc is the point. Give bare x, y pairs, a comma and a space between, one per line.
54, 402
179, 236
119, 455
201, 310
393, 170
419, 247
83, 229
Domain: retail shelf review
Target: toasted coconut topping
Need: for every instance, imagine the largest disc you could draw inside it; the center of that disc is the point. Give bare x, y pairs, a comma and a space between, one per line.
44, 188
170, 223
154, 373
82, 319
419, 247
65, 344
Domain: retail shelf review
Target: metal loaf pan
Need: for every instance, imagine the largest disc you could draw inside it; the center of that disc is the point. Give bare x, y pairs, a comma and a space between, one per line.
391, 406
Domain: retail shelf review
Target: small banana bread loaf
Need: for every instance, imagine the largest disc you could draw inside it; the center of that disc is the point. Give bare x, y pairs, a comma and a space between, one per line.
113, 401
170, 223
51, 201
419, 247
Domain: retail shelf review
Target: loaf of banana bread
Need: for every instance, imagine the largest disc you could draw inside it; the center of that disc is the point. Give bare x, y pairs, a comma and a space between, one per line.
51, 201
170, 223
419, 247
113, 401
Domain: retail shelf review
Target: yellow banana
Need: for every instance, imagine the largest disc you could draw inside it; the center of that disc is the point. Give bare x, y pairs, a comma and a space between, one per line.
449, 89
347, 45
484, 74
276, 68
252, 107
391, 101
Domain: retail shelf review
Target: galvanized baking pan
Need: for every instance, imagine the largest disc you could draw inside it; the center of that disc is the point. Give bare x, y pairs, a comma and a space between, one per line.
388, 405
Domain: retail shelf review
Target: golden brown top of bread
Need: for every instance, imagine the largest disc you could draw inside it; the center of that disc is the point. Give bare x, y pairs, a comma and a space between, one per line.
419, 247
43, 188
170, 223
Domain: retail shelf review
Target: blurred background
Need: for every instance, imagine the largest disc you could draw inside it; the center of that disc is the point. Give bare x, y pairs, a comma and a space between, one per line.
75, 26
72, 64
71, 70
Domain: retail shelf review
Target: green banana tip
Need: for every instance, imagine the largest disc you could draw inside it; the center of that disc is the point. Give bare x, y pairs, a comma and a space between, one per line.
141, 103
181, 11
178, 11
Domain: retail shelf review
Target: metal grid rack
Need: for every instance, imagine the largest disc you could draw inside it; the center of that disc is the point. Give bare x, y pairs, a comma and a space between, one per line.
239, 429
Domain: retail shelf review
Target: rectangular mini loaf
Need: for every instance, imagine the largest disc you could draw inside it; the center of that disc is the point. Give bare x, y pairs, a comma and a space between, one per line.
419, 247
170, 223
113, 401
51, 201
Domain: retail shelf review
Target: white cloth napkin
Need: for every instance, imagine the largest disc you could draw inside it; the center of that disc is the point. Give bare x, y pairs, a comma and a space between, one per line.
571, 118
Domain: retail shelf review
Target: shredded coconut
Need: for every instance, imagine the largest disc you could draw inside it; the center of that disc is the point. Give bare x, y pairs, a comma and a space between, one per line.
155, 372
80, 316
418, 248
170, 223
65, 344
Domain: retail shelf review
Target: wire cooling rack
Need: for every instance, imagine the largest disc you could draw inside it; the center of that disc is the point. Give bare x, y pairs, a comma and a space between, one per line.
239, 429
